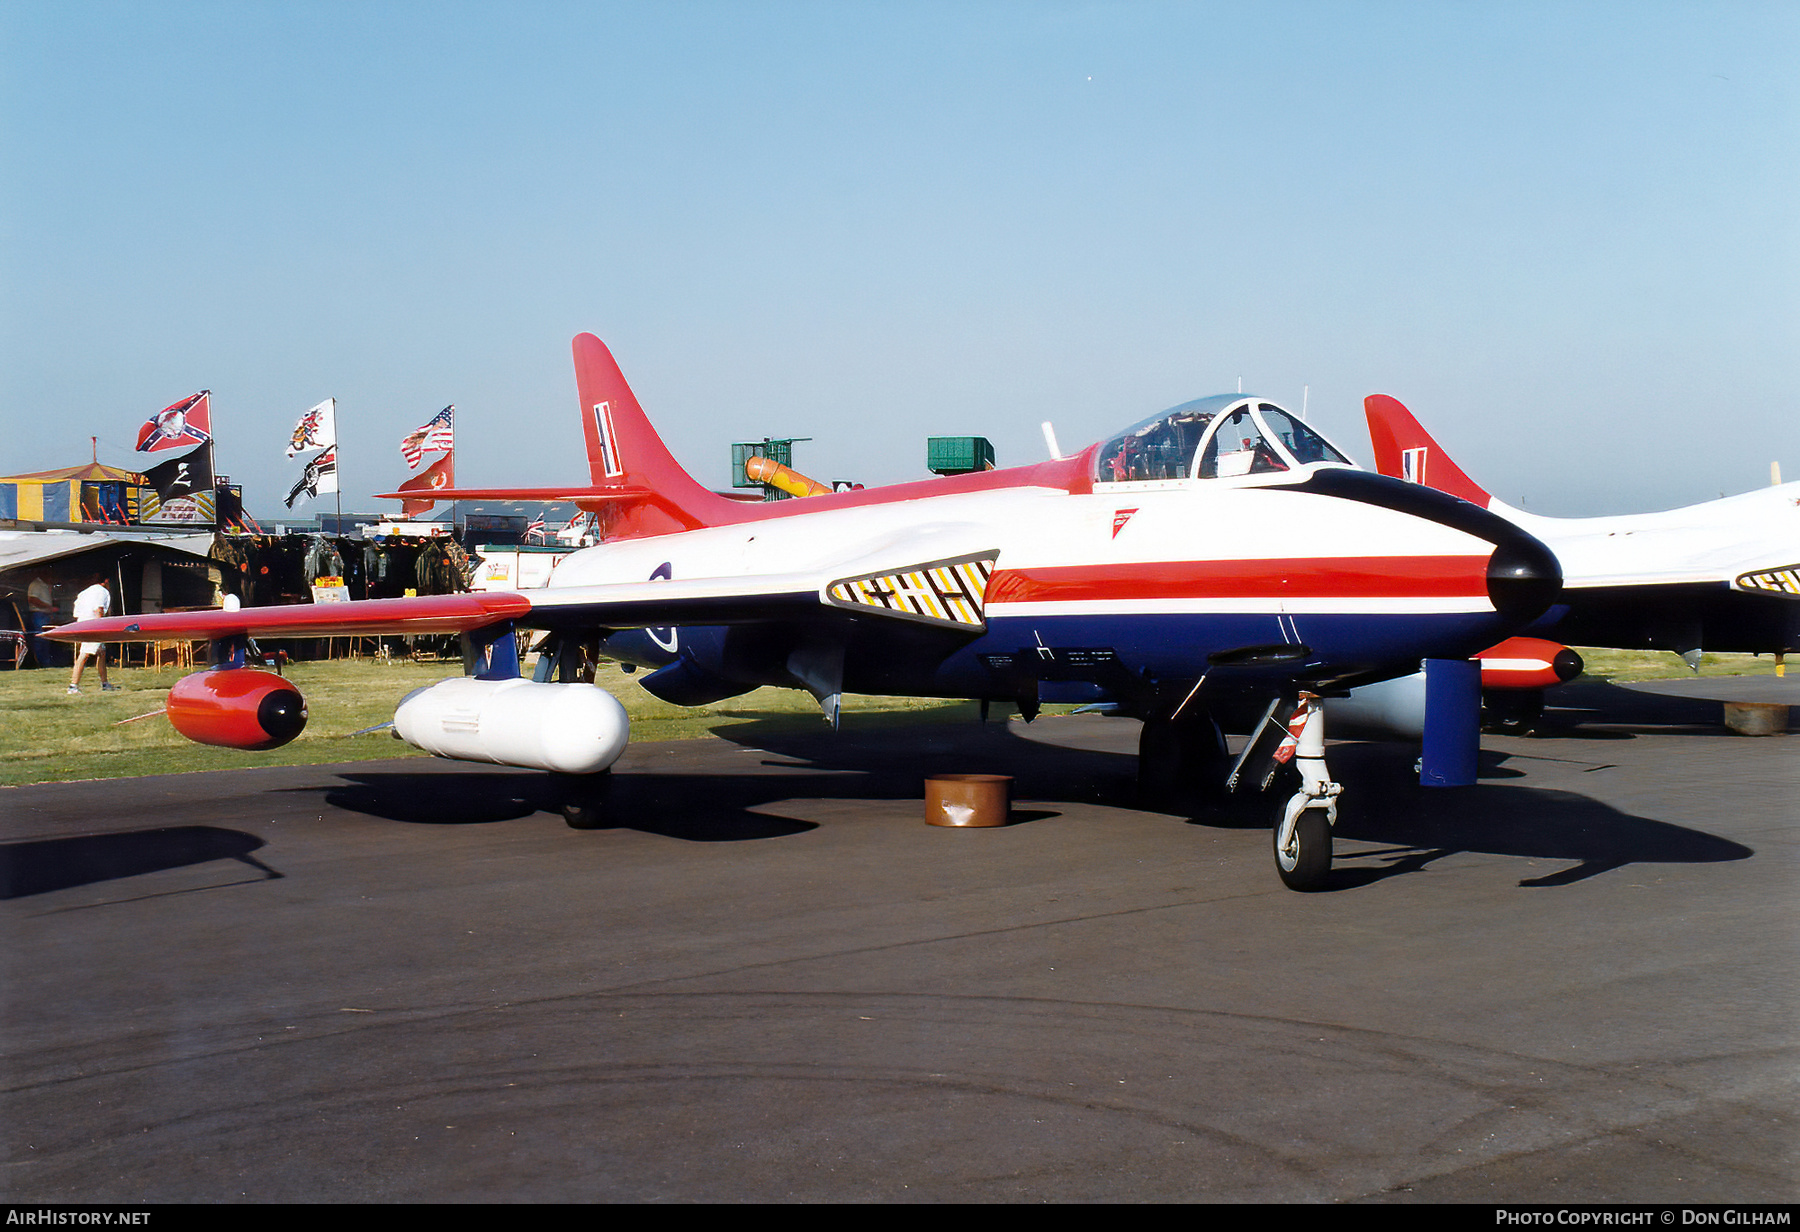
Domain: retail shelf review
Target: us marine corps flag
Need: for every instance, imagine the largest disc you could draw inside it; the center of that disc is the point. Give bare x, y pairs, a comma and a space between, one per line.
440, 474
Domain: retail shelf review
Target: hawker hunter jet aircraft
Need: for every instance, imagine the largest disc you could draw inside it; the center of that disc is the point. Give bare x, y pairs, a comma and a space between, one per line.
1219, 565
1722, 576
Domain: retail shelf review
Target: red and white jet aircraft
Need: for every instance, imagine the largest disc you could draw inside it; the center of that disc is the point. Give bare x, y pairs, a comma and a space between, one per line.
1723, 575
1219, 565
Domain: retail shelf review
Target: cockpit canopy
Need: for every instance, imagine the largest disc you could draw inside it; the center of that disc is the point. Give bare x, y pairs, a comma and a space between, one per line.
1213, 438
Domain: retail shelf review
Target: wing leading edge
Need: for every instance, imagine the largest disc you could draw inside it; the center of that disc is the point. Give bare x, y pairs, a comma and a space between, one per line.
945, 592
424, 614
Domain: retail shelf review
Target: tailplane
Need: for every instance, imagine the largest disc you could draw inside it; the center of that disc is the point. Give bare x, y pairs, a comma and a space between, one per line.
1404, 450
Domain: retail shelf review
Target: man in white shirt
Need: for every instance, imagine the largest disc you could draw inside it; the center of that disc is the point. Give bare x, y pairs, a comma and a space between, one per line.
91, 604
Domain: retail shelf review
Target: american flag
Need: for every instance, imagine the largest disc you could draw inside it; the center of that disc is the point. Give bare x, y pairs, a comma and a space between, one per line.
438, 432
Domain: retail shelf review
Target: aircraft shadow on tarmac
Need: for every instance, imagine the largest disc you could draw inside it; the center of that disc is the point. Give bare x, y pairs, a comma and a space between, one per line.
1413, 826
39, 866
703, 808
1421, 824
1384, 804
707, 809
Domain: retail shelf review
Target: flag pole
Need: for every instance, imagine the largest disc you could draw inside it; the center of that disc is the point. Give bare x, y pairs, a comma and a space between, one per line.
212, 456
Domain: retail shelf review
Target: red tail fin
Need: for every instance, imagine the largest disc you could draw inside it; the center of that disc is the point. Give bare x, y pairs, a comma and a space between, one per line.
1404, 450
623, 449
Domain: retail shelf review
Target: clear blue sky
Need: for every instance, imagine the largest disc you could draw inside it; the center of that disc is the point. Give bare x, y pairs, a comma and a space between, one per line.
1567, 235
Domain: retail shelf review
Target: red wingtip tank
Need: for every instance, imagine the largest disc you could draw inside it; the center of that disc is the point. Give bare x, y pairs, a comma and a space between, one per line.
1528, 663
237, 708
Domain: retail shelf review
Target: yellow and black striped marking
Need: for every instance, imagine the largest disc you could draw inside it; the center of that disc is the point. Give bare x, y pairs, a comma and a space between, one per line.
1781, 581
949, 593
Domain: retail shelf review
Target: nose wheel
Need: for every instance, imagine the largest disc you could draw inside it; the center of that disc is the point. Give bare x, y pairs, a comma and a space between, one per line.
1302, 847
1303, 819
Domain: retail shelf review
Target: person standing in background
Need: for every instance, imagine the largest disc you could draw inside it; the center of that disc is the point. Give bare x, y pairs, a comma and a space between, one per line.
41, 615
91, 604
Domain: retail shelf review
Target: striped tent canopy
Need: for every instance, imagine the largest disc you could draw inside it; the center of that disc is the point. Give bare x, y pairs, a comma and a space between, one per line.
91, 492
87, 472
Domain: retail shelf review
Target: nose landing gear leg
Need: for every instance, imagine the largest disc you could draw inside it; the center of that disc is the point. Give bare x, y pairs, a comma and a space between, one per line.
1303, 820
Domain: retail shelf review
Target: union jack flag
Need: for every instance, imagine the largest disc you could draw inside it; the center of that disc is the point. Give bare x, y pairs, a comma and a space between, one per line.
438, 432
536, 529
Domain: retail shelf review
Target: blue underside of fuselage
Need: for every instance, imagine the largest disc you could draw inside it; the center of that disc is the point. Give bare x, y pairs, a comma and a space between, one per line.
1113, 656
1177, 646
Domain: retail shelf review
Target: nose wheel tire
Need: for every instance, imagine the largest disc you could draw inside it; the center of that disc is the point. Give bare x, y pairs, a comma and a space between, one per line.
1304, 862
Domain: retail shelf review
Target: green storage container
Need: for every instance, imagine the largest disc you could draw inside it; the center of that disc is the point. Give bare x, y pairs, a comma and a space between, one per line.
958, 455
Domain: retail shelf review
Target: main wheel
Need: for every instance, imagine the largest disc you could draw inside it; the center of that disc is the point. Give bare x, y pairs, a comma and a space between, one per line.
1512, 711
1305, 862
584, 799
584, 816
1181, 766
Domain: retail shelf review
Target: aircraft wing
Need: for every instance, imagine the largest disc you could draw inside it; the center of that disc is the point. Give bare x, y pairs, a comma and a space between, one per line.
946, 593
425, 614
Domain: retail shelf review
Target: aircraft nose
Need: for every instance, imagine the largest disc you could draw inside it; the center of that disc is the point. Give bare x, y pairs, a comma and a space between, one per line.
1523, 578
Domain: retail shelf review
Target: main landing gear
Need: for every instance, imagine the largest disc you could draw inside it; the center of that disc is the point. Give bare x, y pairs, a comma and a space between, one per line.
581, 798
1182, 763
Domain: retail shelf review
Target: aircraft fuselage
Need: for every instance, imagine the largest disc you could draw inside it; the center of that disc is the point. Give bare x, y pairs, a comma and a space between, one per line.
1120, 592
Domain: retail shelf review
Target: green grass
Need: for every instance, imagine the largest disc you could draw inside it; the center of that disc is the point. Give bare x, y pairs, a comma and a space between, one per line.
49, 736
1621, 666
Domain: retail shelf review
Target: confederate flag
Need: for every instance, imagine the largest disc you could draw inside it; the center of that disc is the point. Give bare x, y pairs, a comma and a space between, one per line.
182, 426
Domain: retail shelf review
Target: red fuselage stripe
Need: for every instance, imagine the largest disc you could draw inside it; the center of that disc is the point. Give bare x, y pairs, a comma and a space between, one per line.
1348, 577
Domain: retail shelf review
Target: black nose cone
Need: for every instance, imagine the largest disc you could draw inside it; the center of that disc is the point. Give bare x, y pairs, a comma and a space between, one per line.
1567, 664
282, 714
1523, 578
